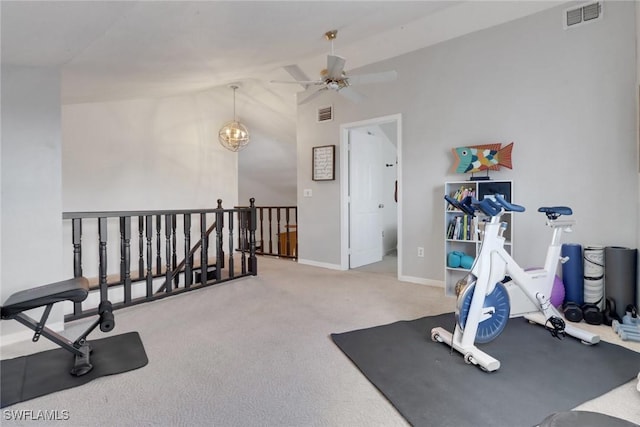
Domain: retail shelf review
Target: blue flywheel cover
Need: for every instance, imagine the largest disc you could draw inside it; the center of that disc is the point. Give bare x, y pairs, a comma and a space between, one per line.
490, 328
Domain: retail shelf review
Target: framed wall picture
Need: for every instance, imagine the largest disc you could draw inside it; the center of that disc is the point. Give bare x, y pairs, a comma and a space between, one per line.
324, 159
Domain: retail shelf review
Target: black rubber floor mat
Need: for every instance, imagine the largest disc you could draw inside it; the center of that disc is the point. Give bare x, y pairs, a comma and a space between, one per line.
432, 386
35, 375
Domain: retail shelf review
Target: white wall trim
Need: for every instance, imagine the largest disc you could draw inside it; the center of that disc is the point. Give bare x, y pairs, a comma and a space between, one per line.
27, 335
320, 264
422, 281
344, 184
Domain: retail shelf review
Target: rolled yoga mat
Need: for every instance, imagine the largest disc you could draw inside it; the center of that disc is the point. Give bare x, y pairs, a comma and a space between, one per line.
573, 273
594, 275
620, 276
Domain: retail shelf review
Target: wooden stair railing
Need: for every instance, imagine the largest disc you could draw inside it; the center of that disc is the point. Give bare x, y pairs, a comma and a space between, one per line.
125, 290
188, 267
276, 232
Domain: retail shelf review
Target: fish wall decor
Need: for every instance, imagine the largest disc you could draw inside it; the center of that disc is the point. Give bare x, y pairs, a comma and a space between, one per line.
476, 158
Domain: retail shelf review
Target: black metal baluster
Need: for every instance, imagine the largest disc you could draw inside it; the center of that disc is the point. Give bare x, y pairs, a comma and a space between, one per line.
270, 233
141, 247
240, 235
253, 261
149, 234
102, 263
287, 236
174, 257
158, 245
220, 247
204, 248
188, 258
219, 250
261, 230
76, 231
167, 236
278, 228
125, 256
295, 210
231, 272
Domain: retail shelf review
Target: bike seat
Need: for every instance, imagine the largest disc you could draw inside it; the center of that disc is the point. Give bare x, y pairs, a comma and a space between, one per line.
75, 290
554, 212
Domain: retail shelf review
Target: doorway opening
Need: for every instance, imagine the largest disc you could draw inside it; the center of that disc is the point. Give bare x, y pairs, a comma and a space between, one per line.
371, 195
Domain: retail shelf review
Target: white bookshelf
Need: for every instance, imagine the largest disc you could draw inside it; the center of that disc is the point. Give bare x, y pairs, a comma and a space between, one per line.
468, 242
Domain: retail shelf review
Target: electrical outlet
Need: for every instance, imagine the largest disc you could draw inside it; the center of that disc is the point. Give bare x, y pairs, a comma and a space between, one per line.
420, 252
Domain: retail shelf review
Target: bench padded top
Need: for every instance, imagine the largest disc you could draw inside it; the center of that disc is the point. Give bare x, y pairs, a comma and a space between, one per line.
75, 290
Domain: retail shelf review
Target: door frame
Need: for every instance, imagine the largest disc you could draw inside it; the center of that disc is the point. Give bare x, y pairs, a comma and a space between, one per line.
344, 184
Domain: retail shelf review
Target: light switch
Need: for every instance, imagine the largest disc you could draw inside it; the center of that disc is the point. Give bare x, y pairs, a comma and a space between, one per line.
307, 192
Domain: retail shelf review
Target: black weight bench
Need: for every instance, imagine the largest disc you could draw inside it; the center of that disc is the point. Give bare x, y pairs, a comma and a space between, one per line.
74, 290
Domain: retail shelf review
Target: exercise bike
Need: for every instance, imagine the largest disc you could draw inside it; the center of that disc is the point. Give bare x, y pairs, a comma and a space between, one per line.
487, 302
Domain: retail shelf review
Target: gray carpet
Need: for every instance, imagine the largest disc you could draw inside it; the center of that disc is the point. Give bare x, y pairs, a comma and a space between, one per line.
257, 352
539, 374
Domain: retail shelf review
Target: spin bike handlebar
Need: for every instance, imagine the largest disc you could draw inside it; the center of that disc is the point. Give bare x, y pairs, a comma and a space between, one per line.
490, 207
465, 205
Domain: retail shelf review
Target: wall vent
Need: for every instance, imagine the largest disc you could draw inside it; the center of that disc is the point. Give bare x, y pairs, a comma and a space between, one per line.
325, 114
584, 14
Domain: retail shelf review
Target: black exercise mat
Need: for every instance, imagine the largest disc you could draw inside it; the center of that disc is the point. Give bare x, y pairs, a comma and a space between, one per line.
35, 375
538, 375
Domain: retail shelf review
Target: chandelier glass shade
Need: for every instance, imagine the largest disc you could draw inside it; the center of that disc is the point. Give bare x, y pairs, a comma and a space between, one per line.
233, 135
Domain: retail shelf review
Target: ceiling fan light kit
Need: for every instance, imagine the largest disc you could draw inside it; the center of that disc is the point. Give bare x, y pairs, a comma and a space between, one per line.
234, 136
334, 77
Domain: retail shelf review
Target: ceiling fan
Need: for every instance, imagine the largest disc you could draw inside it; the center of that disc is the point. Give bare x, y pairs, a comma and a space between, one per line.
334, 77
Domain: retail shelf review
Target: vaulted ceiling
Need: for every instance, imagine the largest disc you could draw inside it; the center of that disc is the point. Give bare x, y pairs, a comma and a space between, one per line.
110, 50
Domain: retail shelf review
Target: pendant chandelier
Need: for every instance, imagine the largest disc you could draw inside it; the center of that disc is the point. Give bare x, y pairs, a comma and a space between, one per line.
234, 136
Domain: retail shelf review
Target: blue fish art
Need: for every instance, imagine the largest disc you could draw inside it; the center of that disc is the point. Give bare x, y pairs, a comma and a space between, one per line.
477, 158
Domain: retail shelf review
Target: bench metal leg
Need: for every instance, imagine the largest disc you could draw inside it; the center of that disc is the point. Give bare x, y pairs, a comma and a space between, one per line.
48, 333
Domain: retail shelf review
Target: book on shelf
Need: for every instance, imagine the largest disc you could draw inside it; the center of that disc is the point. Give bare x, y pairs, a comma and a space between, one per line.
462, 227
460, 195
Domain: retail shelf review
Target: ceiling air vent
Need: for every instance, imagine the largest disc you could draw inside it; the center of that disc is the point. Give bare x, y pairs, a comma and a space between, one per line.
325, 114
579, 15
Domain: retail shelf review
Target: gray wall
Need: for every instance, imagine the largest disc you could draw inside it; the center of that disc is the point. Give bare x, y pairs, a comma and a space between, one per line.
267, 172
566, 98
154, 153
31, 212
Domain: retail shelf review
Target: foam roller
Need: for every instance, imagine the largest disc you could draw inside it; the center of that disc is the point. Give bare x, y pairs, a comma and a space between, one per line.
620, 276
107, 321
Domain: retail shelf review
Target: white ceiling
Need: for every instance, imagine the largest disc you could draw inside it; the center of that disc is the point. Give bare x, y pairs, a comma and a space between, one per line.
109, 50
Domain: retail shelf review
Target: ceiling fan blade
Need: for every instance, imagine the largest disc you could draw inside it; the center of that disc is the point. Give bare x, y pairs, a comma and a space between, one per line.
312, 96
364, 79
351, 94
297, 73
335, 67
304, 83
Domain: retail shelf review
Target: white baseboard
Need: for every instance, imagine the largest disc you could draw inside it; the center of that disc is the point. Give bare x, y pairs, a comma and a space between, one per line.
320, 264
422, 281
27, 334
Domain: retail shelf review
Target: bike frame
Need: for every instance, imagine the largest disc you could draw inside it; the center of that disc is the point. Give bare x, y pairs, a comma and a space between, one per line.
529, 291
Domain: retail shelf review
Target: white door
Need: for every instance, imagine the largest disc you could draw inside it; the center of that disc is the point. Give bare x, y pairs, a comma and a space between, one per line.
365, 178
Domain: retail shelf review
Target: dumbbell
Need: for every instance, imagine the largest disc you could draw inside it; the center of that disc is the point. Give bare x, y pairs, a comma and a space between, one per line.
628, 336
626, 332
631, 316
619, 327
